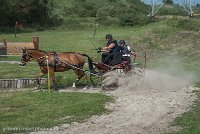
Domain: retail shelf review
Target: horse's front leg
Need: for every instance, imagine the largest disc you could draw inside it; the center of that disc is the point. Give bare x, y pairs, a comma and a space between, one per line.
76, 82
86, 81
80, 75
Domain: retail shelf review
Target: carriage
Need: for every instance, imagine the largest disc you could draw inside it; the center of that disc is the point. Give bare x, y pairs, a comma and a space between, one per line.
117, 65
51, 62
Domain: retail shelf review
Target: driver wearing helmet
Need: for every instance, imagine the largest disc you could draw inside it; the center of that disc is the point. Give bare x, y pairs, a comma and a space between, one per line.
110, 49
126, 51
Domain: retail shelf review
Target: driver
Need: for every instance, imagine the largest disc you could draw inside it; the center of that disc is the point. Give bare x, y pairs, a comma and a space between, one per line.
110, 49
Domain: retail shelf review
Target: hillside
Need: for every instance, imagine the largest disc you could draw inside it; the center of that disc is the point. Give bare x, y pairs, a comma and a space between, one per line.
170, 43
50, 13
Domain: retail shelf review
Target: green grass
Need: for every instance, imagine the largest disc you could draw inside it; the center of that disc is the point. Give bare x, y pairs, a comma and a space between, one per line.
44, 109
197, 84
16, 71
10, 58
190, 121
77, 40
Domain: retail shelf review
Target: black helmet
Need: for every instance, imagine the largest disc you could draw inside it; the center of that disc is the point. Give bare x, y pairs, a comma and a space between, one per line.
109, 36
122, 42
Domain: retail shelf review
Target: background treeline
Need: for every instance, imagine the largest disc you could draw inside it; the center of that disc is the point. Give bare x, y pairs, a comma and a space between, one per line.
29, 12
76, 13
53, 12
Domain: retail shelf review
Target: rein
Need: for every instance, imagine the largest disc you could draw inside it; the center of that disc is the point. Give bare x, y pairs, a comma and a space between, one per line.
75, 67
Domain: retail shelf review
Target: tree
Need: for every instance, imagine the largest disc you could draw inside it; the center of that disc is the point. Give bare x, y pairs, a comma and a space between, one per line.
4, 12
29, 12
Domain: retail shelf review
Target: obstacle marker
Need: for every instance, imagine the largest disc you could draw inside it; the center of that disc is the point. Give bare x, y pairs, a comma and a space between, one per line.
19, 83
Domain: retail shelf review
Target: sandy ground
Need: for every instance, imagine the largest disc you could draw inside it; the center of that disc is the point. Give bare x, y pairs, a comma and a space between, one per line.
143, 106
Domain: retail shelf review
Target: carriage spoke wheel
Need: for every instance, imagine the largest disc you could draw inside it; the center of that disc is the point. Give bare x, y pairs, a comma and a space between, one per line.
137, 71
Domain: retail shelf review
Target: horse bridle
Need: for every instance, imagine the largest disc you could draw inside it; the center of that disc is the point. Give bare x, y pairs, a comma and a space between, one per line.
26, 53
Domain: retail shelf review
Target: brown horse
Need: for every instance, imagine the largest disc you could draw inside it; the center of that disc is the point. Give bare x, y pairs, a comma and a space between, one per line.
58, 62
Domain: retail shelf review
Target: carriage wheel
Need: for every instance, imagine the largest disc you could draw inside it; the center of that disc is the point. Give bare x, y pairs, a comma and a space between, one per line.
137, 71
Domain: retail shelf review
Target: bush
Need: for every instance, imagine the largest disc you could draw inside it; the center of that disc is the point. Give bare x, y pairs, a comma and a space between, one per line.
127, 20
171, 10
189, 24
107, 21
56, 19
103, 12
72, 22
142, 19
173, 22
82, 8
131, 19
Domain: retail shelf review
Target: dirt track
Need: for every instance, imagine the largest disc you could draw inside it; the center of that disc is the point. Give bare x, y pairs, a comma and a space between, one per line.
143, 106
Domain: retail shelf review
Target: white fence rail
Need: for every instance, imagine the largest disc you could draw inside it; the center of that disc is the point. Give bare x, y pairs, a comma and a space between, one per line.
18, 83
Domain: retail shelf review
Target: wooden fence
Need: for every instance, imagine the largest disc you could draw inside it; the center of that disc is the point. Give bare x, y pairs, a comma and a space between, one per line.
12, 48
19, 83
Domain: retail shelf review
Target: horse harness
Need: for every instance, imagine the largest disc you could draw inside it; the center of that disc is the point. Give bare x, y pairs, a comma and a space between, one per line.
56, 62
42, 61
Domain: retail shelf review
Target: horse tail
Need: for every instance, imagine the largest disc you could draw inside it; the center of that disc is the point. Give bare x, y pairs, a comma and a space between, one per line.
90, 62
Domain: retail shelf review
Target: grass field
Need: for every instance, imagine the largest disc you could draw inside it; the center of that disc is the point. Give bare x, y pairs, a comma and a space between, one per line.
43, 109
190, 121
78, 40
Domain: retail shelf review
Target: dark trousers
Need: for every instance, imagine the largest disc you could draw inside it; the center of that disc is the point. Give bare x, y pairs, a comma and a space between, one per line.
103, 56
108, 58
